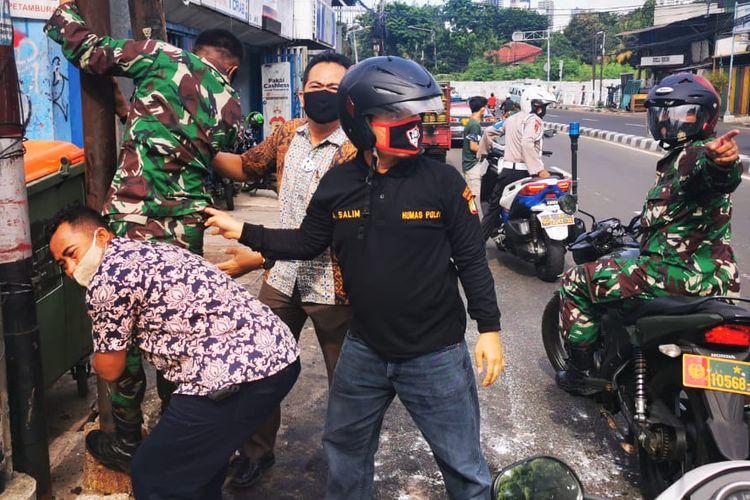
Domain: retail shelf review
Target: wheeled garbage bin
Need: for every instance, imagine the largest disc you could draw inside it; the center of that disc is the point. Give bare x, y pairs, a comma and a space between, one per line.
54, 179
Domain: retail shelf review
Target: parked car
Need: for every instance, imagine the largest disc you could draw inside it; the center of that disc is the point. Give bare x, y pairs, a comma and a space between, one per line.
460, 114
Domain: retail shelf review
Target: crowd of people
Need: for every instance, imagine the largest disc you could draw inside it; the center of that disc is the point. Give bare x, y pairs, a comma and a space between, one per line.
374, 239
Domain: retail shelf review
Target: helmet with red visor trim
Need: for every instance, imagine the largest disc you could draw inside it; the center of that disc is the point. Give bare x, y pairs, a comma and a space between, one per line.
387, 93
682, 108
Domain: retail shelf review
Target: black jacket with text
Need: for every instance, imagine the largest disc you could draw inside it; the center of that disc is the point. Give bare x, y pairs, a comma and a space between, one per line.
402, 239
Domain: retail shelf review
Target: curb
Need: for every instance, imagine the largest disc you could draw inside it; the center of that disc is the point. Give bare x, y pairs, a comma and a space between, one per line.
634, 141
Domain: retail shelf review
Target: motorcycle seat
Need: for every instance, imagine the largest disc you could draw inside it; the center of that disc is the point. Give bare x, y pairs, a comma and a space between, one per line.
660, 318
681, 305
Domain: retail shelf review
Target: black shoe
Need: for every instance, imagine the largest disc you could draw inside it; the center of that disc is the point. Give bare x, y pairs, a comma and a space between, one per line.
574, 379
111, 452
248, 472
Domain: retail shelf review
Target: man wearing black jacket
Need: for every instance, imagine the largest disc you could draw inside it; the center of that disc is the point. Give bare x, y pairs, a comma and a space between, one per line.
404, 228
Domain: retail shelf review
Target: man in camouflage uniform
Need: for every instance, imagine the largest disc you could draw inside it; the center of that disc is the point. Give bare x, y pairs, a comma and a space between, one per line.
184, 111
685, 223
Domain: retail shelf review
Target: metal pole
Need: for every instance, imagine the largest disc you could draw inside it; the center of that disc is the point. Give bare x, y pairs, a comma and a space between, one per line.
574, 131
549, 40
731, 62
601, 66
593, 66
147, 19
17, 301
354, 43
434, 51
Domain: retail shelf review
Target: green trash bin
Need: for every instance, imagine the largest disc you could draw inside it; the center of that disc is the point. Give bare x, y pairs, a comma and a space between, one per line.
54, 179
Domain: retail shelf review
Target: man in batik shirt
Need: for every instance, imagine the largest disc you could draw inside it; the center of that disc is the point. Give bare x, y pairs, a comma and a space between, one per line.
183, 112
232, 358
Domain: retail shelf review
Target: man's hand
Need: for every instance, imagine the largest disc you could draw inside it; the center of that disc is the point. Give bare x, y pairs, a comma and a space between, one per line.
225, 224
543, 174
242, 262
724, 150
489, 350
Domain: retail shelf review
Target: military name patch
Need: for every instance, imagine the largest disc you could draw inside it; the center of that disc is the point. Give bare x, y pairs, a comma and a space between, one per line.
346, 214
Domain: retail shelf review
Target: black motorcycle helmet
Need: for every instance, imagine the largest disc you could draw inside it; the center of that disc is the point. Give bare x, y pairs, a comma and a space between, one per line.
384, 85
682, 108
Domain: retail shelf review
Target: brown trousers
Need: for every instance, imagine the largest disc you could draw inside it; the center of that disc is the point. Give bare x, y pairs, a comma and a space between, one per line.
331, 323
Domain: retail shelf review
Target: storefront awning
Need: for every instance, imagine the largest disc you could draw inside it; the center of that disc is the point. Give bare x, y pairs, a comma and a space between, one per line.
202, 18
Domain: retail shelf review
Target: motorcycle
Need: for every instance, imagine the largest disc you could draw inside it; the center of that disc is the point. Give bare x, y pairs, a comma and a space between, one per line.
676, 369
534, 227
250, 139
548, 477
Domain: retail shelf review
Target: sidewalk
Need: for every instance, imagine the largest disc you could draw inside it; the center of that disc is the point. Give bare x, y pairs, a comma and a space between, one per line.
633, 141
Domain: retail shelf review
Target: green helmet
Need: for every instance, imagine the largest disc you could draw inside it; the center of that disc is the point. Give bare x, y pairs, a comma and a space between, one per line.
254, 119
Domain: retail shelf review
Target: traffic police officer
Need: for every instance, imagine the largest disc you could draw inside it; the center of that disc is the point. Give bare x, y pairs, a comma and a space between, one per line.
404, 229
523, 133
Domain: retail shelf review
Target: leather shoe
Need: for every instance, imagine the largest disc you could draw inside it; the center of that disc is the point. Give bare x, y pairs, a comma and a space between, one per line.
248, 472
113, 453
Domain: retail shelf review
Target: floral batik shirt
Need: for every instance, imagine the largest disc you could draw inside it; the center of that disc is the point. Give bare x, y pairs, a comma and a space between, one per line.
190, 320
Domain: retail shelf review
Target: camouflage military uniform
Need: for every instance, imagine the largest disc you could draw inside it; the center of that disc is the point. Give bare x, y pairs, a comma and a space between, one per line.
183, 112
685, 245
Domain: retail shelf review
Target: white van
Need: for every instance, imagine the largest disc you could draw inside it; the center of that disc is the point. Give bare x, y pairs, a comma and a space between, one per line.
516, 90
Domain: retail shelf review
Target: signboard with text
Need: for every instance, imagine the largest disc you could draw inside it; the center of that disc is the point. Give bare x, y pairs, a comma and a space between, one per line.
673, 60
276, 79
33, 9
234, 8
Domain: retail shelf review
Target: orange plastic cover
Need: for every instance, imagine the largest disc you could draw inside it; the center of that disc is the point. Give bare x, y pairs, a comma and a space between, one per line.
43, 158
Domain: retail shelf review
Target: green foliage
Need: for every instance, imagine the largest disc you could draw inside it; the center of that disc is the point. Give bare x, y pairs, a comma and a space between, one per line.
479, 69
458, 33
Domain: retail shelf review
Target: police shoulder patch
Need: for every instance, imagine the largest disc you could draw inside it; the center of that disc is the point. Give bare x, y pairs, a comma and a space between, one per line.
467, 194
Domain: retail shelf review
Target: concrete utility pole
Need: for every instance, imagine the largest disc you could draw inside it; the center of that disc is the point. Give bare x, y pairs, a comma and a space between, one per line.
17, 301
147, 19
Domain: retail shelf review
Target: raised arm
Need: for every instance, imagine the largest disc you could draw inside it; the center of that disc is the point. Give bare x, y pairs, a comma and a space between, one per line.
100, 55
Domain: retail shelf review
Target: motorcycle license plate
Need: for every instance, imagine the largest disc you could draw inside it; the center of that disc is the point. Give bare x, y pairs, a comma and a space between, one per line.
704, 372
552, 220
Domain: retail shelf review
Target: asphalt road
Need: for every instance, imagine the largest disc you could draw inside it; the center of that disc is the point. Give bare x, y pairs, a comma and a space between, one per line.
523, 414
631, 123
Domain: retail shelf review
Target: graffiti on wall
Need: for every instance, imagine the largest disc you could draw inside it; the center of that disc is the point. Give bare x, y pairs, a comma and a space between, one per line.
43, 78
59, 88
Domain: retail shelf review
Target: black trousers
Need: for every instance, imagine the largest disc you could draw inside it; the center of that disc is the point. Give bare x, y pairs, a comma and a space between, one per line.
187, 454
491, 219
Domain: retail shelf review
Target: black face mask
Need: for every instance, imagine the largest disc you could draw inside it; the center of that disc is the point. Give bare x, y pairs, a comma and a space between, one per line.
322, 106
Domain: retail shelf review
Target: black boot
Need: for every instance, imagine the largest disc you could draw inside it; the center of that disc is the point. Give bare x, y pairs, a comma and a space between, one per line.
115, 451
580, 364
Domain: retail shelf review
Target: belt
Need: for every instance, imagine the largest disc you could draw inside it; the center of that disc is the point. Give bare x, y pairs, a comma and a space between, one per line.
515, 165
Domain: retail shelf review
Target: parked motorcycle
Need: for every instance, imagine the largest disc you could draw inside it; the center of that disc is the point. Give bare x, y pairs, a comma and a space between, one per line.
550, 478
251, 138
676, 369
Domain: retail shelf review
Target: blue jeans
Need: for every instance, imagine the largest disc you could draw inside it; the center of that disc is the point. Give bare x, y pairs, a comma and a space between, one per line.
440, 394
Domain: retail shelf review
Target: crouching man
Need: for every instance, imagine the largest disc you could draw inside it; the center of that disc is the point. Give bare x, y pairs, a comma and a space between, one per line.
232, 358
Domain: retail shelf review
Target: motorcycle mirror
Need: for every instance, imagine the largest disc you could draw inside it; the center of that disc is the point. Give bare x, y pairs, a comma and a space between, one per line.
568, 203
538, 477
550, 132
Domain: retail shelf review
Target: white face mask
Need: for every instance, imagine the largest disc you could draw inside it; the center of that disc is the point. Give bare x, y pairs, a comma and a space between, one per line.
90, 262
